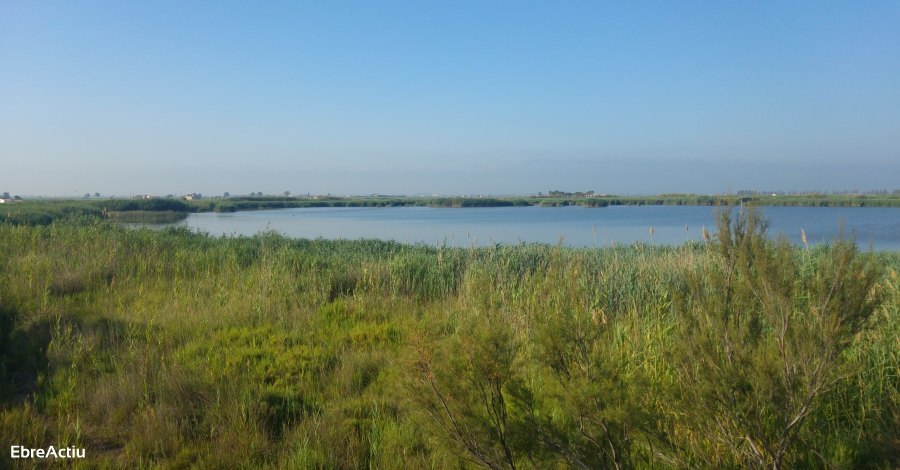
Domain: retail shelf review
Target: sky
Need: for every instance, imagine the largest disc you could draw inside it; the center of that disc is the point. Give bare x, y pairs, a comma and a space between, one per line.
448, 97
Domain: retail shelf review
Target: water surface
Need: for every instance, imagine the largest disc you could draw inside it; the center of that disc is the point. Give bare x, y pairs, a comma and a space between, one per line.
574, 224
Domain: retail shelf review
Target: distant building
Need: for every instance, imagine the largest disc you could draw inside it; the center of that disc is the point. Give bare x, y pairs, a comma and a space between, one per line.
555, 193
4, 200
192, 197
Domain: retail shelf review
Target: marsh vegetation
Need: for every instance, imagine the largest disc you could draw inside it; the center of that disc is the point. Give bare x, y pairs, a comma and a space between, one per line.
43, 212
175, 349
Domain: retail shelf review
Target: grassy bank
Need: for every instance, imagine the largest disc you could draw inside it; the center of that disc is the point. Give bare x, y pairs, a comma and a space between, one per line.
43, 212
812, 200
147, 217
233, 204
172, 349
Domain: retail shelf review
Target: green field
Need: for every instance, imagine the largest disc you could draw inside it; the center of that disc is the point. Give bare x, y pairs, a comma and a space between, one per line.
171, 349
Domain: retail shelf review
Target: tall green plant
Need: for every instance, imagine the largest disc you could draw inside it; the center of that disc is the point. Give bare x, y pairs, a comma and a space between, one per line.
761, 340
462, 387
581, 401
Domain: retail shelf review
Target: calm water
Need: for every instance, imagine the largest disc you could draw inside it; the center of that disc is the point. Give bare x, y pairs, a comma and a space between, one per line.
622, 224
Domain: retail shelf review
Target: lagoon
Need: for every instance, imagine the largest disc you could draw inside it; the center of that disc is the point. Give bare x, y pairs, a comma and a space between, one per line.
574, 225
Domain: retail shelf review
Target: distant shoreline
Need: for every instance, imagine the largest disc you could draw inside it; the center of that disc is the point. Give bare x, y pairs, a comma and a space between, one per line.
236, 204
45, 211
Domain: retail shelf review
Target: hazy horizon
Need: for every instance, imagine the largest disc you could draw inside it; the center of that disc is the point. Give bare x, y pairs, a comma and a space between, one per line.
461, 98
535, 176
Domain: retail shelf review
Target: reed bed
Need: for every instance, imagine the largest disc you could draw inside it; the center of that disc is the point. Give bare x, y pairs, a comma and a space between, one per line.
45, 211
174, 349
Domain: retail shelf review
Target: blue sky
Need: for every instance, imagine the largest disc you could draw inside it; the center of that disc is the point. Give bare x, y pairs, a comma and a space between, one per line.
448, 97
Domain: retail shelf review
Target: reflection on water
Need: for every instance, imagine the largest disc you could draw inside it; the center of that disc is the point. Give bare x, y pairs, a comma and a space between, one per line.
576, 225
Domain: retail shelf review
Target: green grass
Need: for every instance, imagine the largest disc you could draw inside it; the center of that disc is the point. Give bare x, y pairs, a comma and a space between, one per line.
44, 212
171, 349
147, 217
